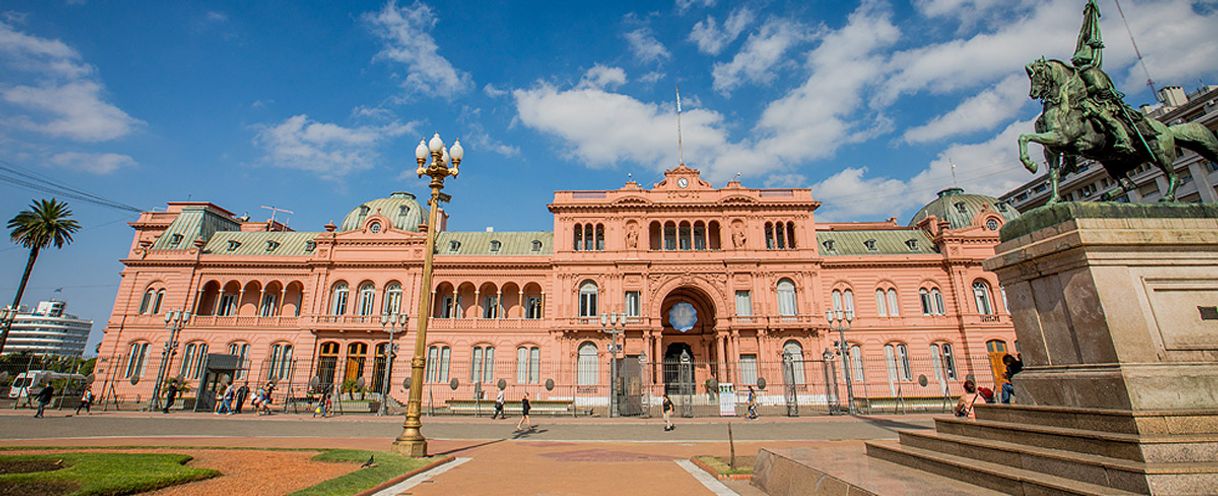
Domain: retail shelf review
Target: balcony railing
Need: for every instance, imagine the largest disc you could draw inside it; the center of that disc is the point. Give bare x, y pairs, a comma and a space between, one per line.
219, 321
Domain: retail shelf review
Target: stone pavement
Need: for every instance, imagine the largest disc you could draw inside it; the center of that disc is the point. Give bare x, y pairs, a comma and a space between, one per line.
585, 456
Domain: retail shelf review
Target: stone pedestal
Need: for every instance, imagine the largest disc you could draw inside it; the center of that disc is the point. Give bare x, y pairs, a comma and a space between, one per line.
1115, 305
1116, 311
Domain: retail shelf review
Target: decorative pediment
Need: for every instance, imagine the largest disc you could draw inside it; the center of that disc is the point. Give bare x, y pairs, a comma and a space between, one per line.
682, 178
632, 200
737, 200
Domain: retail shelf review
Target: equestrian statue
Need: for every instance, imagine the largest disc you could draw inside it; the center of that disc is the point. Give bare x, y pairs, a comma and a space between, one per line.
1085, 116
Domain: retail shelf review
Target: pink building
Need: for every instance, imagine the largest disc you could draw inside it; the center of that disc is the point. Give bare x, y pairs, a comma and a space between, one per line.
735, 278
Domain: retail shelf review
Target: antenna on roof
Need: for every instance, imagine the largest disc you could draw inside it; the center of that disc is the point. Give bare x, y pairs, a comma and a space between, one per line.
680, 141
276, 210
1149, 82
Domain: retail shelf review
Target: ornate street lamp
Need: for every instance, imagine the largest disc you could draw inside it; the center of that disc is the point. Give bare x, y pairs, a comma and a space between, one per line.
840, 321
411, 442
391, 323
609, 325
175, 320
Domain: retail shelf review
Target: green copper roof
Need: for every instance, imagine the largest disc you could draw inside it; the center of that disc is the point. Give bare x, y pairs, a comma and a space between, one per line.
510, 243
279, 244
959, 208
886, 242
400, 207
193, 223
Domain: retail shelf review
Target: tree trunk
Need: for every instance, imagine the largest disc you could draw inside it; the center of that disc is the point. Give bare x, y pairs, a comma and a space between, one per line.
25, 278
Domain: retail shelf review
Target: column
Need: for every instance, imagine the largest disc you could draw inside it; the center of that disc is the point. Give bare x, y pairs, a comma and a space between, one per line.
240, 299
478, 304
219, 297
657, 370
283, 300
721, 356
453, 311
499, 304
520, 301
261, 300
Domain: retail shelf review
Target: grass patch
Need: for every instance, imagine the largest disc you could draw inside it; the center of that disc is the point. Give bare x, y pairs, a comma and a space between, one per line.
88, 474
388, 466
744, 464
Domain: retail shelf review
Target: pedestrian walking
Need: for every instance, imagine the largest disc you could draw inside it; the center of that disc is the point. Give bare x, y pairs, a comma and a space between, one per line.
243, 392
752, 403
525, 406
43, 398
500, 399
225, 406
666, 408
964, 407
86, 401
1014, 366
170, 396
266, 399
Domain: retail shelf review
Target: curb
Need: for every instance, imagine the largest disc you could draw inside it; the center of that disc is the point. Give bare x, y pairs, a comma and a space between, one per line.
384, 485
702, 465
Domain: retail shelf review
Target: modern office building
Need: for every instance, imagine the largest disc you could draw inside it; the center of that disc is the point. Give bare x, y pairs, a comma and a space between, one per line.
48, 330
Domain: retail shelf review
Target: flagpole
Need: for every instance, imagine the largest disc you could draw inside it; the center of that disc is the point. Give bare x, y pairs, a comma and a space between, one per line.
680, 141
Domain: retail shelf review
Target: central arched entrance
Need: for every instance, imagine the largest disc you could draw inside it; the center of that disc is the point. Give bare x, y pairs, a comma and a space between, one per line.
687, 315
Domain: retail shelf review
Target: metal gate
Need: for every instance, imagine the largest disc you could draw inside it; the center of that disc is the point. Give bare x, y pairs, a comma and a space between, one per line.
685, 384
790, 384
630, 387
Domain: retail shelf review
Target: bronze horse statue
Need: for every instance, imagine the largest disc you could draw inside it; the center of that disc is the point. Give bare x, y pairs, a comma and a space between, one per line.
1067, 132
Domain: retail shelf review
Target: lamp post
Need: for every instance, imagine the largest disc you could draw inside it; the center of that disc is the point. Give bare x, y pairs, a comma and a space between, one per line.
390, 323
411, 442
840, 321
609, 325
175, 320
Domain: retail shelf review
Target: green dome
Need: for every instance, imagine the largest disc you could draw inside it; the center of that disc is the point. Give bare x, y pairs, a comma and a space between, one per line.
401, 208
959, 209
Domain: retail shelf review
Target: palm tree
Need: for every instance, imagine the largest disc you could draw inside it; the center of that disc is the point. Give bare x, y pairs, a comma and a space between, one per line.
46, 223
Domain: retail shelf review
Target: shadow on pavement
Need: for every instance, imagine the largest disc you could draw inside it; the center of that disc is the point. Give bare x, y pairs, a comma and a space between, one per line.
470, 447
892, 425
528, 433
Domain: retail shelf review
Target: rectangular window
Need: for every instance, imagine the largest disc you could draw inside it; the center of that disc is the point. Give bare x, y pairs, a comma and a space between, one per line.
748, 369
533, 310
744, 304
534, 365
522, 365
475, 368
228, 303
446, 310
269, 302
633, 304
490, 307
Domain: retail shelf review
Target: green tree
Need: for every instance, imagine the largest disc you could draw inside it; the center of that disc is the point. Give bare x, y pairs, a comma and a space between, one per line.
46, 223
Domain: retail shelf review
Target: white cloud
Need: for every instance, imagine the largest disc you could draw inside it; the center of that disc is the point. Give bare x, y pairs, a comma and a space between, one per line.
645, 47
651, 77
711, 39
603, 77
603, 129
372, 113
328, 150
58, 94
981, 112
811, 121
494, 91
786, 181
477, 136
763, 50
848, 195
406, 33
684, 5
957, 8
93, 163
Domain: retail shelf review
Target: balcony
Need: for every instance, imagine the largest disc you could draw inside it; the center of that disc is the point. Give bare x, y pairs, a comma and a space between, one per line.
438, 323
987, 320
223, 321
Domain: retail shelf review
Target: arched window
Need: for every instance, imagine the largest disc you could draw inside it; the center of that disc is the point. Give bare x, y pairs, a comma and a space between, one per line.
367, 295
684, 237
936, 361
780, 236
903, 356
790, 235
795, 373
600, 237
848, 300
938, 297
769, 236
670, 235
949, 361
699, 236
146, 302
894, 306
338, 299
578, 241
589, 238
856, 362
193, 360
482, 369
996, 346
241, 351
528, 365
897, 355
587, 299
587, 365
135, 359
890, 362
281, 361
927, 306
393, 299
437, 363
327, 362
357, 356
981, 294
786, 298
881, 305
156, 302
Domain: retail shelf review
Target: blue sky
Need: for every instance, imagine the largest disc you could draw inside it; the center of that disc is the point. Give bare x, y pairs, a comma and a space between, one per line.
317, 106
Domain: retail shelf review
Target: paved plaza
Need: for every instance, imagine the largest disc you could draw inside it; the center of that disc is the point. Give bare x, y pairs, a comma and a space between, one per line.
562, 456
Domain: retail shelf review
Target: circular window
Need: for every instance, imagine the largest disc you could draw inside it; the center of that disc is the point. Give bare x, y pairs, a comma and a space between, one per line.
375, 227
992, 224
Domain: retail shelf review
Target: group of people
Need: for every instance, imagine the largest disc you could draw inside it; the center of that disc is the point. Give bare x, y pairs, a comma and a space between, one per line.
47, 394
973, 394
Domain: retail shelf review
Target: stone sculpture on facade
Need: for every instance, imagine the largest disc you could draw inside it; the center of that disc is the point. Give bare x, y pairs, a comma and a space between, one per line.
1085, 116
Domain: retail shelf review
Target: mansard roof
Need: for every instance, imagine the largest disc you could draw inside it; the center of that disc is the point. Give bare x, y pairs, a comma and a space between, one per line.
194, 222
275, 243
887, 242
400, 207
479, 243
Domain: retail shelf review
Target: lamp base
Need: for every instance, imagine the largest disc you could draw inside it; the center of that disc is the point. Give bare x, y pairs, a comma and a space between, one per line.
414, 448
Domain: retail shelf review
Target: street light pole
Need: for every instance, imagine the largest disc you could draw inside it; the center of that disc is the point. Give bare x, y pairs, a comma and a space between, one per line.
411, 442
609, 323
175, 320
390, 322
840, 321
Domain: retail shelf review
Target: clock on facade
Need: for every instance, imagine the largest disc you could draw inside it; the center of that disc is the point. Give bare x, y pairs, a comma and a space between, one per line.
683, 182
